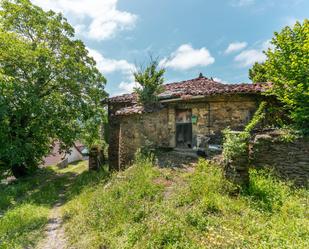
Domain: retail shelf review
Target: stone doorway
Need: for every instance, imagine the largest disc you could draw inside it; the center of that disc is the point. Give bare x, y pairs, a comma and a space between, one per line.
184, 128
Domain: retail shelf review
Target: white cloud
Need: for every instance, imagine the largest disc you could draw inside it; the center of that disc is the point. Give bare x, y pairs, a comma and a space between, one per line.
241, 3
106, 65
249, 57
267, 45
127, 87
186, 57
220, 80
235, 46
102, 17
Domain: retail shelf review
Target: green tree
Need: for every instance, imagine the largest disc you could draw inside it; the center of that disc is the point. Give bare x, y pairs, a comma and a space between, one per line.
150, 81
287, 66
49, 85
94, 130
258, 73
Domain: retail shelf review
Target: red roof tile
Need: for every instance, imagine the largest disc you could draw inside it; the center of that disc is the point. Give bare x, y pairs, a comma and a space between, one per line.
137, 109
125, 98
200, 86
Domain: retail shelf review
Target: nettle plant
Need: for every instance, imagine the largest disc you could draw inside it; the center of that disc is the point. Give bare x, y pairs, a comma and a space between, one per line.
236, 142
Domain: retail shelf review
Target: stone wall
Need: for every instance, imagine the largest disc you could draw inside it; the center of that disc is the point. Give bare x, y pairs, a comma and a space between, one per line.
96, 158
290, 160
216, 113
113, 134
236, 164
128, 133
136, 131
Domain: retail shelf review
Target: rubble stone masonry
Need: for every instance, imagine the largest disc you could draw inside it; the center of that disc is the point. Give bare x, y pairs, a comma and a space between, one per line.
290, 160
213, 114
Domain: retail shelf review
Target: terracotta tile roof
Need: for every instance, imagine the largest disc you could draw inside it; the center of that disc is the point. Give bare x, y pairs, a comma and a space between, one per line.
200, 86
137, 109
125, 98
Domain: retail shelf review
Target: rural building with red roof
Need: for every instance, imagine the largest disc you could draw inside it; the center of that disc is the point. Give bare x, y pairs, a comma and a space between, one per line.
187, 112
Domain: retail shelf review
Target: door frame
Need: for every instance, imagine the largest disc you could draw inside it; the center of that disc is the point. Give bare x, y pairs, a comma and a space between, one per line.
177, 110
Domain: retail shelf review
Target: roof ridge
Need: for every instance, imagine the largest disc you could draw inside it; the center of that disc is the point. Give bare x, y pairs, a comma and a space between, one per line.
198, 86
210, 80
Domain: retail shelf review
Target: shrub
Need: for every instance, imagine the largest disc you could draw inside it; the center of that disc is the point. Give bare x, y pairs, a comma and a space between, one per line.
150, 81
266, 190
235, 143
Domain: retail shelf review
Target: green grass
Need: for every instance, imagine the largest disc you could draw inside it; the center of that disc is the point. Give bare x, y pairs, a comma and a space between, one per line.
147, 207
25, 205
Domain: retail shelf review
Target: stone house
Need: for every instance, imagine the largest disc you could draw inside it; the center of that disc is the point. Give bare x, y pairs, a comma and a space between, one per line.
188, 111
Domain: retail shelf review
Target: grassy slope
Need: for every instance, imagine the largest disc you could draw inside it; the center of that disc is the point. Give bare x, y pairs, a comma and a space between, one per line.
145, 207
25, 205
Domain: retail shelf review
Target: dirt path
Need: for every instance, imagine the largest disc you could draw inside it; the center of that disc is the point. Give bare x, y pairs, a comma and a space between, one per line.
177, 180
174, 164
54, 231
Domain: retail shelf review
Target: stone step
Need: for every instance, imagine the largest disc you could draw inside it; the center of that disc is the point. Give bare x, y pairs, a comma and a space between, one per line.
186, 152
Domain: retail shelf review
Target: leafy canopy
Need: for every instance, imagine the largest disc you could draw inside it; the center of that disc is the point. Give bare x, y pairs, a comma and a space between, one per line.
150, 81
49, 85
287, 66
258, 73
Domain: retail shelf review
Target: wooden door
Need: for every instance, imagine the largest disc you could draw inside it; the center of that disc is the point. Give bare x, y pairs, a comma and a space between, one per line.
184, 128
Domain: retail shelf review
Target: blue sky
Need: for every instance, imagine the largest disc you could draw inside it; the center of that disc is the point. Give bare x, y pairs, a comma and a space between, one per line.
221, 39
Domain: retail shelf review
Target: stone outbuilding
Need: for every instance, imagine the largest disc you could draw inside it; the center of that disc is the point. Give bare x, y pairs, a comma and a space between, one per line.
188, 111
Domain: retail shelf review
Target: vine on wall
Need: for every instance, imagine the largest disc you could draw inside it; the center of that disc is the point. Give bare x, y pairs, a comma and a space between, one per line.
236, 143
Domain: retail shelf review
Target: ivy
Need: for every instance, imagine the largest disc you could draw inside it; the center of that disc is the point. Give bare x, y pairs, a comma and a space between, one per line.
257, 118
236, 143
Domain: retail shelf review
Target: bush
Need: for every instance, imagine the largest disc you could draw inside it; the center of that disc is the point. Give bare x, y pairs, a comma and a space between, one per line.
259, 115
235, 143
151, 83
267, 191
